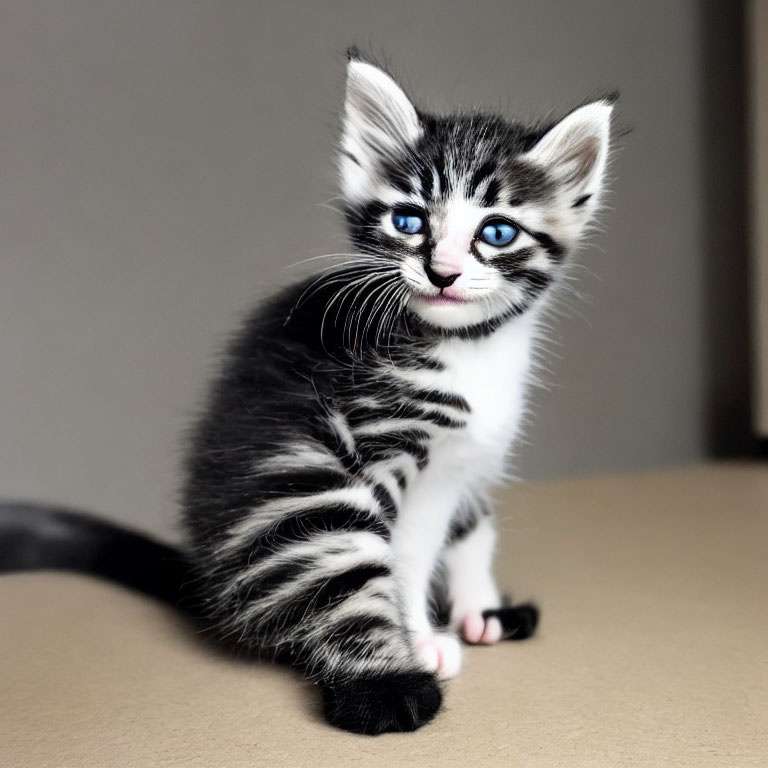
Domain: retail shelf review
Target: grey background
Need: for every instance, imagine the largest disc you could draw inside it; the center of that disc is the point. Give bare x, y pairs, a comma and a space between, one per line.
162, 164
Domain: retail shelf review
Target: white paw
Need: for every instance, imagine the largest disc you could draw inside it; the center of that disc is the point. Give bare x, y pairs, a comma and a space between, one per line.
477, 630
440, 653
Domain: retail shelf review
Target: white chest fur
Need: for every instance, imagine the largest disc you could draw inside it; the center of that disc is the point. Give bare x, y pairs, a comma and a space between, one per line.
491, 375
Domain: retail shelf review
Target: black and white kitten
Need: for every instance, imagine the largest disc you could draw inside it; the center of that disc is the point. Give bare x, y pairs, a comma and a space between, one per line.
337, 498
346, 457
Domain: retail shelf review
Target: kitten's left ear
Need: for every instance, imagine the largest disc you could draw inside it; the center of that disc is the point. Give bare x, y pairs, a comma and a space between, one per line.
575, 151
379, 120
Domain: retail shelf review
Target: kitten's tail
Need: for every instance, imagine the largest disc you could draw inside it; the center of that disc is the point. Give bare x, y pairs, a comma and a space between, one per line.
37, 537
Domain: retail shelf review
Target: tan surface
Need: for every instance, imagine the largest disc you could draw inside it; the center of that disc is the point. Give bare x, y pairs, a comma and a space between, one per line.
652, 651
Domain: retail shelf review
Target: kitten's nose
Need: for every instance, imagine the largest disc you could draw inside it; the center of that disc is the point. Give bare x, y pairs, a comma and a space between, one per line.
441, 281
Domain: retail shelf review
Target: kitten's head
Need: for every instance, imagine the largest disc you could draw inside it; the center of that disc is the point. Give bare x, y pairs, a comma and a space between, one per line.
470, 216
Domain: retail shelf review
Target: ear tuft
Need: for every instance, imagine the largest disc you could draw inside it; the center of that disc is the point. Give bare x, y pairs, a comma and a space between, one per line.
353, 53
575, 151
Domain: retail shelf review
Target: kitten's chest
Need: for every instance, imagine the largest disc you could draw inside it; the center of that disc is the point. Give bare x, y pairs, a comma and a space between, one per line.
490, 374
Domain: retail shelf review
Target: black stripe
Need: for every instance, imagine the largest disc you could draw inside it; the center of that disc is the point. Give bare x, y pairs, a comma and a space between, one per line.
326, 434
346, 153
383, 411
376, 447
480, 175
351, 462
440, 398
554, 249
465, 520
441, 420
534, 279
583, 199
461, 526
424, 363
473, 332
384, 497
426, 179
363, 223
440, 168
303, 525
320, 596
397, 175
275, 577
349, 628
255, 489
491, 194
403, 412
352, 636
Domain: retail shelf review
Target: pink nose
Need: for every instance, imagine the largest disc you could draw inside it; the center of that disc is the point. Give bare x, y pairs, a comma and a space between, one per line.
449, 258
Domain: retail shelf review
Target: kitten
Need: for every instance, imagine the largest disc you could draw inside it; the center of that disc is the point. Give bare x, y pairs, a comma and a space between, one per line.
363, 416
337, 494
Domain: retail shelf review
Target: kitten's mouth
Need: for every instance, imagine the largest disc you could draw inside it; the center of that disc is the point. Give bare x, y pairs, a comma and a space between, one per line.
441, 299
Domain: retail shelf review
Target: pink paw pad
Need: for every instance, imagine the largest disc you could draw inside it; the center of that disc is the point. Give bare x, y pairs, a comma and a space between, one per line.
478, 630
441, 654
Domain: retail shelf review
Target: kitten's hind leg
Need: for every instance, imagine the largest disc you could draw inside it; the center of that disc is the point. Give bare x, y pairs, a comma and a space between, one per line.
478, 612
309, 577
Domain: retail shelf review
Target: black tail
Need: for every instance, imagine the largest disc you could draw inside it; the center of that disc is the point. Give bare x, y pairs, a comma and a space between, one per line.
36, 537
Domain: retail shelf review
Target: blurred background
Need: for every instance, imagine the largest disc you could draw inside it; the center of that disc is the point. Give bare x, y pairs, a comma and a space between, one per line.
163, 164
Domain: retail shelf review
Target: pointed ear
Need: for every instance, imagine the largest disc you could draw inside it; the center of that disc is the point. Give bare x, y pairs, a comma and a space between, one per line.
379, 120
575, 151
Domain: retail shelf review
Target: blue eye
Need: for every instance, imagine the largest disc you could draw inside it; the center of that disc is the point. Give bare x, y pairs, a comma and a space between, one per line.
498, 233
409, 223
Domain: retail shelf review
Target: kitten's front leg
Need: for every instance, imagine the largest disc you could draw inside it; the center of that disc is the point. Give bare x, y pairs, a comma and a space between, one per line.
417, 538
478, 612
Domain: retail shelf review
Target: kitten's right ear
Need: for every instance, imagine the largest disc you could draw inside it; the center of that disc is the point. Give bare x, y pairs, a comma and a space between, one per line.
575, 151
379, 121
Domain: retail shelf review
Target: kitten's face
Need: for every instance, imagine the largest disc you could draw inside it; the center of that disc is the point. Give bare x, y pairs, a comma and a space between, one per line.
470, 216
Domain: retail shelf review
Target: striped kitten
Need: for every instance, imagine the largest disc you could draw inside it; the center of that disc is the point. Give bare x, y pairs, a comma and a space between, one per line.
338, 487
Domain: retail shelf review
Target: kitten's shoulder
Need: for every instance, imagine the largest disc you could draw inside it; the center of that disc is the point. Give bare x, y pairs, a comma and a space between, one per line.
288, 315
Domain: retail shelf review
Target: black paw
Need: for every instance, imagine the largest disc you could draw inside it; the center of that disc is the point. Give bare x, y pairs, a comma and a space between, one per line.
376, 705
518, 622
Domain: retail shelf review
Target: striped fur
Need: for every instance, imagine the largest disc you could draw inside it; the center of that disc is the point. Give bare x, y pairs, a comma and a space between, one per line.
362, 417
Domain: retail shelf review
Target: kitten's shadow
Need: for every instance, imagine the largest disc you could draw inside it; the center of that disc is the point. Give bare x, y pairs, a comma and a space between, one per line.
196, 635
